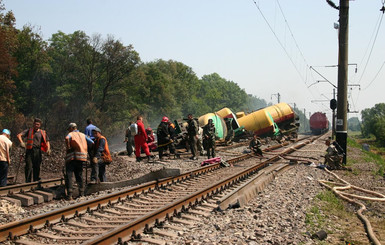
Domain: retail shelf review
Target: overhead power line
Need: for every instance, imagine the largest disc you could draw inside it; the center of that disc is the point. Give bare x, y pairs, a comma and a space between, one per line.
279, 41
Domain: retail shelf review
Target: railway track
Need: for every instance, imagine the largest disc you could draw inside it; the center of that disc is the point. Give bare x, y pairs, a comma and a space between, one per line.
127, 214
28, 194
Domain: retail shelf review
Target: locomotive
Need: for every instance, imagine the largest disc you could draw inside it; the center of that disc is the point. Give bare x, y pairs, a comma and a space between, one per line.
319, 123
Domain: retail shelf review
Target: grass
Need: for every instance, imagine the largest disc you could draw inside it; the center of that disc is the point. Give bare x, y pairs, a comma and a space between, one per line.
325, 204
374, 155
327, 211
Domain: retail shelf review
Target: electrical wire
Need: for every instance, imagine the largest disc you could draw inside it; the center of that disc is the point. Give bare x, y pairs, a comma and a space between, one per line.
371, 50
291, 33
279, 41
375, 77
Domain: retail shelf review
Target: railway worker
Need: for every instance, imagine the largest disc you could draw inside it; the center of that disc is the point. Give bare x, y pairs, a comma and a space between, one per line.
332, 157
192, 132
101, 157
77, 145
164, 137
255, 145
37, 141
141, 140
151, 139
5, 159
171, 130
129, 140
209, 138
89, 128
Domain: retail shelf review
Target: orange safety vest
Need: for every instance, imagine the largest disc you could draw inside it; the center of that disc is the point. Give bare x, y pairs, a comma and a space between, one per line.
106, 156
43, 145
78, 144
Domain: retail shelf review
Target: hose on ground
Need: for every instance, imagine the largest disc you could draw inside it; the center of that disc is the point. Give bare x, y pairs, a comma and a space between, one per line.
338, 190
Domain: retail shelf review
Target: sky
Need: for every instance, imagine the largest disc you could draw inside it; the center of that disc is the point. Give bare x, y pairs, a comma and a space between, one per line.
267, 47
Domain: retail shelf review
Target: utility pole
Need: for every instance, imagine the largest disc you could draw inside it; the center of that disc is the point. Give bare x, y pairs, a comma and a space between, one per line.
334, 116
278, 97
304, 120
341, 124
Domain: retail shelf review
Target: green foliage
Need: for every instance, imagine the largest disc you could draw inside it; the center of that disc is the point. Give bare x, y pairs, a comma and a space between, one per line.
304, 122
324, 205
373, 122
369, 156
352, 143
72, 77
354, 124
334, 203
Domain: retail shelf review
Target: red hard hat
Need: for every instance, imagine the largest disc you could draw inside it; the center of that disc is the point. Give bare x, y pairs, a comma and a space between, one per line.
149, 129
165, 119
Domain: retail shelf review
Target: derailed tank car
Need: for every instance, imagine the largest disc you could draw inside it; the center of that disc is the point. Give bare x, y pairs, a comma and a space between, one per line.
278, 119
319, 123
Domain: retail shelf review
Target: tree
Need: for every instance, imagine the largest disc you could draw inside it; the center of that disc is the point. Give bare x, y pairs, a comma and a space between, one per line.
8, 64
33, 86
354, 124
219, 93
373, 122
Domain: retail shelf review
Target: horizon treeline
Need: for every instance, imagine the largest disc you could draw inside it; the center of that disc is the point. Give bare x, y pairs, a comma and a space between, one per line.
72, 77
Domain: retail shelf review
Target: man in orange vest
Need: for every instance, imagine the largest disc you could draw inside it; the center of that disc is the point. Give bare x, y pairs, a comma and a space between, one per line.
37, 141
76, 145
101, 157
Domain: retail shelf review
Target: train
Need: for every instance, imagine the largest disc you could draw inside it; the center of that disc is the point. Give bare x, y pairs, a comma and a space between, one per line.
273, 121
319, 123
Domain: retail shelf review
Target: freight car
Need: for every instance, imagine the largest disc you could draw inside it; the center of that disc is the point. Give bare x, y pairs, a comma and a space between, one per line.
274, 120
319, 123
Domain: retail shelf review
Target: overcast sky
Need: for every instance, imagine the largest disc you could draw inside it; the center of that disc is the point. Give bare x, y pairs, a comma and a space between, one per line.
265, 46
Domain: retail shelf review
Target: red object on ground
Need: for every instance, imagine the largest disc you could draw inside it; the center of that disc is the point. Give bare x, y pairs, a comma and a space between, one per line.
211, 161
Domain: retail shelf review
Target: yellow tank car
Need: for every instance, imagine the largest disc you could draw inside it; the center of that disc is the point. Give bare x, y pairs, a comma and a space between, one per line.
259, 122
280, 112
240, 114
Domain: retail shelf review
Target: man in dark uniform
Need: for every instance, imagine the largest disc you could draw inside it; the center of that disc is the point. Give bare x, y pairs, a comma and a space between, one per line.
332, 157
192, 131
171, 130
129, 140
255, 145
163, 135
37, 141
209, 138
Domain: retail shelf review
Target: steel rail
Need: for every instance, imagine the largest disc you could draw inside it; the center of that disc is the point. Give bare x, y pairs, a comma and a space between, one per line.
134, 228
19, 188
17, 228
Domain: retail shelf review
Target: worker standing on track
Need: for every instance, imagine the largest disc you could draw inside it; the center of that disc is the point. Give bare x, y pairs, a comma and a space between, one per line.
101, 157
209, 138
5, 159
77, 145
171, 130
129, 140
141, 140
164, 137
192, 131
37, 141
89, 128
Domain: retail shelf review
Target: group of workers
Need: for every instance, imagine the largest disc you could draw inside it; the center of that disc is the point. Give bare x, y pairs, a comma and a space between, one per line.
94, 146
143, 140
79, 147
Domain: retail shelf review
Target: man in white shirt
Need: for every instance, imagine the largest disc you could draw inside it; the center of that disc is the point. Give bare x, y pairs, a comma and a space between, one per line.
5, 146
